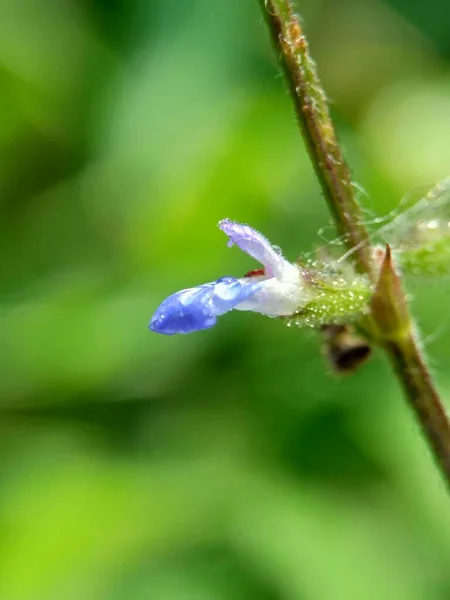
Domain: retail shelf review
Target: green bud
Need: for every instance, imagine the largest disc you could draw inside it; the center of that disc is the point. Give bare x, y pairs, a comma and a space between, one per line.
336, 295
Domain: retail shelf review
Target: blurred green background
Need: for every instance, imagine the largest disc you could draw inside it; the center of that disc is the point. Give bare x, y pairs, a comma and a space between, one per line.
230, 464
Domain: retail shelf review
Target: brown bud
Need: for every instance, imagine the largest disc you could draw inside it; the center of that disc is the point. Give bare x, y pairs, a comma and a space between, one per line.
345, 350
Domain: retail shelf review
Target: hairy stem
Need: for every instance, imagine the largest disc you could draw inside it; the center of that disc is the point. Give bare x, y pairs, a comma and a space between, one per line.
312, 112
390, 323
423, 398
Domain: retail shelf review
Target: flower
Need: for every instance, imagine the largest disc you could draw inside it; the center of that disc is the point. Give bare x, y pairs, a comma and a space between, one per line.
277, 290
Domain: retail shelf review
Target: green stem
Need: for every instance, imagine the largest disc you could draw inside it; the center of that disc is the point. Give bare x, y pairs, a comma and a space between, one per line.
317, 127
423, 397
390, 322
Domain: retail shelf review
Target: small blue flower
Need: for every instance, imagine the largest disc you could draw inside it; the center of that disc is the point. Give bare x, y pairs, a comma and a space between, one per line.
279, 291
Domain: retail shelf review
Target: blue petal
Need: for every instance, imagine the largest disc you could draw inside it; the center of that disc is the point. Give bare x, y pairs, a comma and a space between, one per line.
198, 308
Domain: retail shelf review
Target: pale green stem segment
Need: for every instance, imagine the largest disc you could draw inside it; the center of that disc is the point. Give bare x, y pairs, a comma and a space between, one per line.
389, 323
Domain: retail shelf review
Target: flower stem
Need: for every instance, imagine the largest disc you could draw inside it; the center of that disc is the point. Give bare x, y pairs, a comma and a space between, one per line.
390, 322
418, 386
317, 129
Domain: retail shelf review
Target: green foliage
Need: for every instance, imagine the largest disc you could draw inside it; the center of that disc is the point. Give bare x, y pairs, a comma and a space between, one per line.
228, 464
431, 260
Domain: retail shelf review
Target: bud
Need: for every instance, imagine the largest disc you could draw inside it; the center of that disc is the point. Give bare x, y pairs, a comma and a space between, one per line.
389, 306
335, 293
346, 351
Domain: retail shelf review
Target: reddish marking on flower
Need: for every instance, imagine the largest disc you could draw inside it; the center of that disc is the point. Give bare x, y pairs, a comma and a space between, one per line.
255, 272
